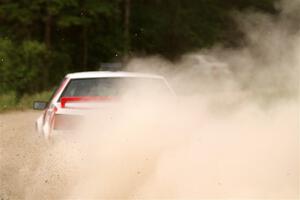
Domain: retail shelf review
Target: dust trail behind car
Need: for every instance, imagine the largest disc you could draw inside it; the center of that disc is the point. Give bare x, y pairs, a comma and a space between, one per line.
236, 137
186, 151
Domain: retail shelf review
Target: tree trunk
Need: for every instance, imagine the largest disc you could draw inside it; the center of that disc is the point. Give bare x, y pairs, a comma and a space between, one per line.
127, 12
47, 40
48, 24
84, 47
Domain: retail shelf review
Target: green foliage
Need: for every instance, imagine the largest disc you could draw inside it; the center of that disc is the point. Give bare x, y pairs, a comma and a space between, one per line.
27, 100
21, 65
8, 101
41, 40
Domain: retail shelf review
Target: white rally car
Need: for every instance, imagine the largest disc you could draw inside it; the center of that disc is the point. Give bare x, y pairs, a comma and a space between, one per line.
84, 91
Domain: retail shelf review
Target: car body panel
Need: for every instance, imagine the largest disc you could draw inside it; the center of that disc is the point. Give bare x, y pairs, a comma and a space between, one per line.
81, 106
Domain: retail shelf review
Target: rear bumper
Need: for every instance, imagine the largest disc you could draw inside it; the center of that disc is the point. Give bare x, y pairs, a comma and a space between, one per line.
63, 122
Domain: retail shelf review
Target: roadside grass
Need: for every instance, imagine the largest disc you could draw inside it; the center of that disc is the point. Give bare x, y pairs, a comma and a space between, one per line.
9, 101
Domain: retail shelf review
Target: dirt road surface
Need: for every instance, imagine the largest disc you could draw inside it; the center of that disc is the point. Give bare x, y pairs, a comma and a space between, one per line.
20, 152
28, 167
31, 169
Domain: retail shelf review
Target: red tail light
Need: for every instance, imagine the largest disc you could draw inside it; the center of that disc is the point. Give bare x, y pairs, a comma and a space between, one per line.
64, 100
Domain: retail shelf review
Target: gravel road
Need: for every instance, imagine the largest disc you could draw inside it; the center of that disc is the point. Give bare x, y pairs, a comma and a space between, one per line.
30, 168
22, 152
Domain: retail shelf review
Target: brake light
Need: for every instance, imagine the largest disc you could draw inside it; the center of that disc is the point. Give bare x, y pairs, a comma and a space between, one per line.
64, 100
54, 109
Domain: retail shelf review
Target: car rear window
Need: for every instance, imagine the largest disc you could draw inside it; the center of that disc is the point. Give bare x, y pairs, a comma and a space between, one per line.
114, 86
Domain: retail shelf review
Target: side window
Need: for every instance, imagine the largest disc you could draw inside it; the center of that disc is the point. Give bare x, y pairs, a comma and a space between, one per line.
59, 88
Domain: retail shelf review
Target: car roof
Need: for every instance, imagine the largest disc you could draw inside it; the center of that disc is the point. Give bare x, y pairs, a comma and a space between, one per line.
106, 74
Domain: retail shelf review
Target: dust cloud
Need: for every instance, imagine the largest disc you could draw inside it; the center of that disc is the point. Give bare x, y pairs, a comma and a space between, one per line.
231, 132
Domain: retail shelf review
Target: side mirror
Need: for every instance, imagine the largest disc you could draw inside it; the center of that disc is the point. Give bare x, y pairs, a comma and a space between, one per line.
40, 105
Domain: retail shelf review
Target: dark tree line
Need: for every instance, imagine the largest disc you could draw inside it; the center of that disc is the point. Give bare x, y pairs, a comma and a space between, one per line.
41, 40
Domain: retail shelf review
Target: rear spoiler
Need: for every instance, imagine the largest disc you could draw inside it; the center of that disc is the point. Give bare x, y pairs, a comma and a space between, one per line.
65, 100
